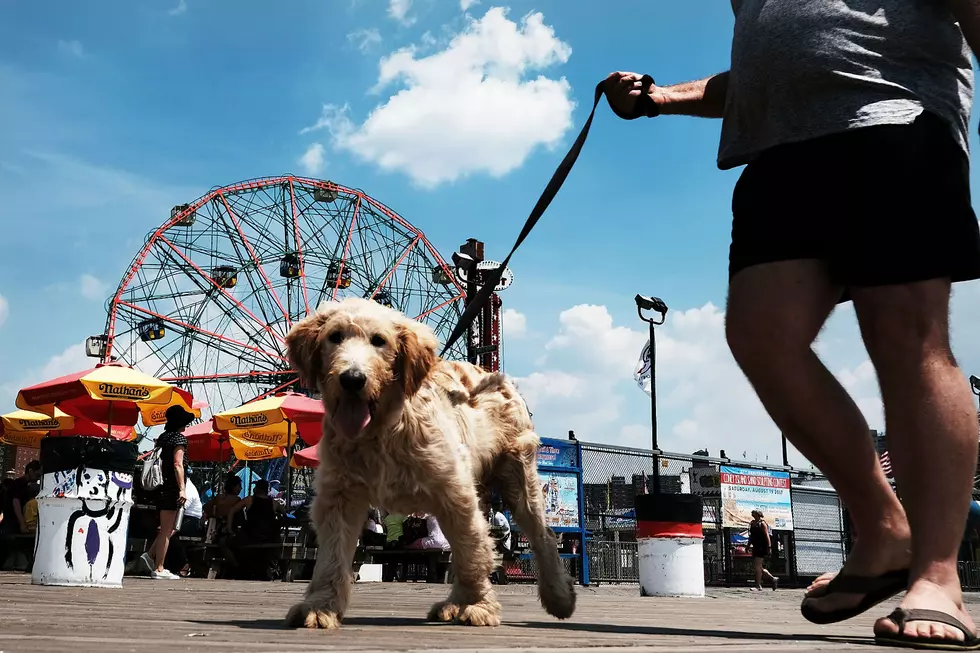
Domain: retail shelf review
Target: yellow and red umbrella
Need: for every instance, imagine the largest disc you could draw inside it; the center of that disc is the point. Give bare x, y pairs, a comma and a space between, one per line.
206, 445
60, 424
275, 420
107, 394
245, 450
307, 457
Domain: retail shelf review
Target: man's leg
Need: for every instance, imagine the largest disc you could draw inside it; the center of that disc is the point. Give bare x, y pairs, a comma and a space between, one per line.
775, 311
932, 437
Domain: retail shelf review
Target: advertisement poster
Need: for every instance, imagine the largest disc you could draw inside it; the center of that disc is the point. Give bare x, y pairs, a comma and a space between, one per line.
744, 490
557, 456
560, 493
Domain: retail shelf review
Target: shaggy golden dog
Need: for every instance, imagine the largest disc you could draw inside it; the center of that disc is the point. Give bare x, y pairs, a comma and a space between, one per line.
408, 431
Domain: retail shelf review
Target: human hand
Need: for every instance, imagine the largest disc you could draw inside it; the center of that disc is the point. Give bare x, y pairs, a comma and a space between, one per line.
630, 95
182, 497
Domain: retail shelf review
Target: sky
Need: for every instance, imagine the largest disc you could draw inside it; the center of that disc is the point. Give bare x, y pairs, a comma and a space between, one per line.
454, 113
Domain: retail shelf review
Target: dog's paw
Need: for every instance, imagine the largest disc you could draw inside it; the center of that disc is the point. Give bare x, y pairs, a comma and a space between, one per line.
304, 615
444, 611
479, 614
558, 598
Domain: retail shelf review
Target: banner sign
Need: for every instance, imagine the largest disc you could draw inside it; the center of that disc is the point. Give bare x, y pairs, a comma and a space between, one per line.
558, 455
560, 493
744, 490
641, 373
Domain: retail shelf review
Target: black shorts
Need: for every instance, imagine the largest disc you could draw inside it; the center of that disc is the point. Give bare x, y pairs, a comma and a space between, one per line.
880, 205
169, 498
760, 552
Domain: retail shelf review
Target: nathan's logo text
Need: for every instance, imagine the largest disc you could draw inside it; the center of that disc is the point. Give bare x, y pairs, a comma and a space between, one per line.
131, 392
39, 424
243, 421
261, 438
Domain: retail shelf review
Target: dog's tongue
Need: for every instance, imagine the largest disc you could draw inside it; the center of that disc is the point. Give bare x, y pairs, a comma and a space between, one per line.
351, 417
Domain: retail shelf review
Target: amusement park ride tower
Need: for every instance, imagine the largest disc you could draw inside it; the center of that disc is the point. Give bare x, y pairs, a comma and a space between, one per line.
483, 341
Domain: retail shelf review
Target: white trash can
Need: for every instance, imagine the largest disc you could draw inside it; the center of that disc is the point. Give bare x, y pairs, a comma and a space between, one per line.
83, 511
670, 545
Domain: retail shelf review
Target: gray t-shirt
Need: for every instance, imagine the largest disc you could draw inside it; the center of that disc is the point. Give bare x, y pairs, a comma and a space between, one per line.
807, 68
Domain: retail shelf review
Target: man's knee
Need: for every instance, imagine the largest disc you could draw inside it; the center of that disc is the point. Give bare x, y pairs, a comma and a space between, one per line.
759, 344
905, 326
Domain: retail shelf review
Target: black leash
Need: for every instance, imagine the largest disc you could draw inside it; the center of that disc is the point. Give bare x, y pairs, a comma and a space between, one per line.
644, 107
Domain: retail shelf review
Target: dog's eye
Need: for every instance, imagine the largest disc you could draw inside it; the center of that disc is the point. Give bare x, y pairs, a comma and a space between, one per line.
336, 337
377, 341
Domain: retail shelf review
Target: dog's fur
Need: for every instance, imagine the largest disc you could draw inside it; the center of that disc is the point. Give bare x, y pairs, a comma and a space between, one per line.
441, 435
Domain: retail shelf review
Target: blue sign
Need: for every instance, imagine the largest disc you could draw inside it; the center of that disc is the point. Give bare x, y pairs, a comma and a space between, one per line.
557, 454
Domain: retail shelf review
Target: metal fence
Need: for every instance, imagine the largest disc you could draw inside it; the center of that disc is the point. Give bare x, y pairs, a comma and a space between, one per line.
613, 476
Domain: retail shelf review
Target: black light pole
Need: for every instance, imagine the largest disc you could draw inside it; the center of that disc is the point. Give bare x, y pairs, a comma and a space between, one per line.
785, 455
975, 386
656, 305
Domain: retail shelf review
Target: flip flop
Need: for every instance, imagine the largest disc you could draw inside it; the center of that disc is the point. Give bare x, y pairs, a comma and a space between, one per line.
874, 588
900, 617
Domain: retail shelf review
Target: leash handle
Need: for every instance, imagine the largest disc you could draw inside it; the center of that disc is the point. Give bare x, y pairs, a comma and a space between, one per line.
645, 106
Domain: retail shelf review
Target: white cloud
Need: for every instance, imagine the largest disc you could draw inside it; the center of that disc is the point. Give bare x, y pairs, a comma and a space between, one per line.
93, 288
70, 360
398, 10
364, 39
514, 324
481, 105
466, 4
179, 9
584, 382
313, 159
4, 310
72, 48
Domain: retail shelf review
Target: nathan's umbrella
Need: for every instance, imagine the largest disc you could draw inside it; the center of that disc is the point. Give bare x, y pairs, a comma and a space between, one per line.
245, 450
29, 439
307, 457
61, 424
110, 394
206, 445
286, 414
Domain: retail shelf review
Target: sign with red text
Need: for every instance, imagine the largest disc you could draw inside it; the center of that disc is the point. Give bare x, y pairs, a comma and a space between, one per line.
744, 490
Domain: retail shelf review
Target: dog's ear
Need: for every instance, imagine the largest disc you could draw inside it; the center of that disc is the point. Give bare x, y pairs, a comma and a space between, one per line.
304, 347
417, 346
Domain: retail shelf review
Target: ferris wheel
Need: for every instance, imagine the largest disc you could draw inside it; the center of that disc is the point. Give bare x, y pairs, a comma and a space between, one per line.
210, 297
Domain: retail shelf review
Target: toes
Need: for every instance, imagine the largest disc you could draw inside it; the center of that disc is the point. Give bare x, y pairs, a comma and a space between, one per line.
477, 615
443, 611
304, 615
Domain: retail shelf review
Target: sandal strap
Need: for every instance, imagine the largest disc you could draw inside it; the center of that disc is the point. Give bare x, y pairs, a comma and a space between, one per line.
901, 616
847, 584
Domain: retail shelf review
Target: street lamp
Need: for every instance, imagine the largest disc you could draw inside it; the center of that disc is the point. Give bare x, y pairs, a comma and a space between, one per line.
656, 305
975, 385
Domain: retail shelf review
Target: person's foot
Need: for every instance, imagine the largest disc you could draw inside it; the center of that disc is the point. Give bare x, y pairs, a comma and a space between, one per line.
871, 556
163, 575
926, 595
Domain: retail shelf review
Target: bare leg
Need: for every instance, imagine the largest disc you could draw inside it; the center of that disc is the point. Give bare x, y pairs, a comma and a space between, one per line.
338, 516
760, 571
472, 599
520, 486
775, 312
932, 437
162, 543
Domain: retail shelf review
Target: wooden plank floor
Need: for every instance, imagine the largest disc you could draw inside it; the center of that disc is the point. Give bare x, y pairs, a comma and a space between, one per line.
216, 616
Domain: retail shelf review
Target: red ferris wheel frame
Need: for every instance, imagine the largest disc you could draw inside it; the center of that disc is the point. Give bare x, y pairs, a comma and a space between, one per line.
159, 238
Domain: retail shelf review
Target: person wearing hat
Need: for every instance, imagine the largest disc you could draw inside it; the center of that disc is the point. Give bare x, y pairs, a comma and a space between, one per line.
173, 493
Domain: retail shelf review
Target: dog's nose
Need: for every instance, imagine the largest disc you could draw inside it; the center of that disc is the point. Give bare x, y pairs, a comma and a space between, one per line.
352, 380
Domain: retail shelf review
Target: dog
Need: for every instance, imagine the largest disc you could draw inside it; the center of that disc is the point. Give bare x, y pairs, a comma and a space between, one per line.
410, 432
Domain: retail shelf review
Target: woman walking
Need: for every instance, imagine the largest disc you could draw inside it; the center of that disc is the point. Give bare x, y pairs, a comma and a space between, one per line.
173, 494
761, 545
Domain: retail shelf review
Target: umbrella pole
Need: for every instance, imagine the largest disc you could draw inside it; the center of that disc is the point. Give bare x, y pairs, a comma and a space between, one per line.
289, 467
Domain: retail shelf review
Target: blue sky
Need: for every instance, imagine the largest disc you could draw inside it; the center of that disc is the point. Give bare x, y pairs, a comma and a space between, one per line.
112, 112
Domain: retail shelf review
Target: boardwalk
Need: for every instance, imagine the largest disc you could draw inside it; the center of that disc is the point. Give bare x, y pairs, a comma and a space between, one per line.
218, 616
